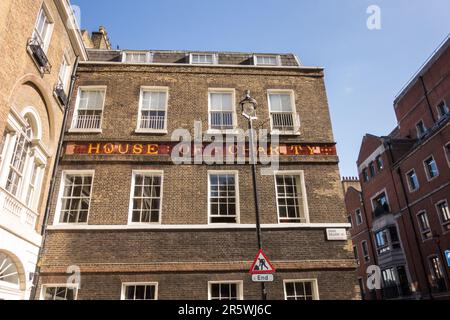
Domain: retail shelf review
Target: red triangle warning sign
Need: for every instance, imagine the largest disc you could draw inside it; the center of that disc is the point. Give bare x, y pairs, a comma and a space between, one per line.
262, 265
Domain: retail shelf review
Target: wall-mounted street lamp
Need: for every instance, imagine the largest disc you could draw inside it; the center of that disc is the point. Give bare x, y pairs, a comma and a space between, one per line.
249, 106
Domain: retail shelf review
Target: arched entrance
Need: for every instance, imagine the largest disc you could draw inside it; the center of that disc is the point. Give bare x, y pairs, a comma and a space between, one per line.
11, 278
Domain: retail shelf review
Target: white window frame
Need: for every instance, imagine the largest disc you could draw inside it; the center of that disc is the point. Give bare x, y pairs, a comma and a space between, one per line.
365, 175
411, 190
377, 195
37, 154
276, 56
239, 283
295, 115
447, 152
215, 59
130, 209
141, 99
301, 174
51, 21
419, 135
238, 205
65, 61
37, 169
125, 284
235, 119
440, 216
356, 254
360, 215
23, 176
64, 173
366, 257
77, 105
315, 286
148, 56
379, 163
59, 285
426, 168
438, 111
431, 267
350, 220
422, 232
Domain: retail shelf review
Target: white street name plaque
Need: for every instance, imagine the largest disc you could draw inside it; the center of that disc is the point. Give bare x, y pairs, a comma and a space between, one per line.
337, 235
262, 278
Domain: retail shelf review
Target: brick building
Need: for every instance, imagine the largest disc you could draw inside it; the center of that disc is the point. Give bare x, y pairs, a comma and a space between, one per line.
400, 216
40, 43
139, 226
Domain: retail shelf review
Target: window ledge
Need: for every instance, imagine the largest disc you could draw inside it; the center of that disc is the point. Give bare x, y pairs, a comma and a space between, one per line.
433, 178
280, 133
60, 225
227, 131
234, 226
151, 131
85, 130
144, 224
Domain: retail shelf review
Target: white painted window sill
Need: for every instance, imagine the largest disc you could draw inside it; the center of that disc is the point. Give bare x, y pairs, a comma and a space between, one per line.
150, 131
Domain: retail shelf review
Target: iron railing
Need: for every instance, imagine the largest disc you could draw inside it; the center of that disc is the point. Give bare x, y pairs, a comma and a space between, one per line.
36, 50
153, 122
87, 121
221, 120
285, 122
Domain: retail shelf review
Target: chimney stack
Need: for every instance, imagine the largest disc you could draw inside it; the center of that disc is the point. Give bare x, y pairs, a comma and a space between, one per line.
99, 40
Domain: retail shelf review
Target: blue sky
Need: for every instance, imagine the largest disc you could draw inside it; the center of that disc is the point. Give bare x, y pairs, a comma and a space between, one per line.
364, 69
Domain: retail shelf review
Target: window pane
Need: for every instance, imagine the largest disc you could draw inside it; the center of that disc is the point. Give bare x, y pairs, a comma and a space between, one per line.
59, 293
76, 199
222, 197
266, 60
215, 291
431, 168
140, 292
444, 212
302, 290
147, 198
221, 101
91, 100
203, 58
289, 199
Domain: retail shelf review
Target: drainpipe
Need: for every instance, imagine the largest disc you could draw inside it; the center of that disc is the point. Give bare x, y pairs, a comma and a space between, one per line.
53, 180
411, 218
425, 91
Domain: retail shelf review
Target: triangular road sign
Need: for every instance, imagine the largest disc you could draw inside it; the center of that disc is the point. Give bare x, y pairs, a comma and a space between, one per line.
262, 264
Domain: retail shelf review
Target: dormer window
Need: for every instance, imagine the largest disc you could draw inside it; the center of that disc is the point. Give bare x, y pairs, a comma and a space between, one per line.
137, 57
267, 60
203, 58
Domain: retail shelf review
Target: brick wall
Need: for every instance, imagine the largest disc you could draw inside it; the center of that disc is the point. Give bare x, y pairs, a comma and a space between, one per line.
190, 257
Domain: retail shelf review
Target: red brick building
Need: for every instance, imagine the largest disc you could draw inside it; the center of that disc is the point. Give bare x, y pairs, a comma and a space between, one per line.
138, 226
402, 223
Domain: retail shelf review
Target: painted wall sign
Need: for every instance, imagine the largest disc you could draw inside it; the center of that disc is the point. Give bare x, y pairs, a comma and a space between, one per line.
165, 149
